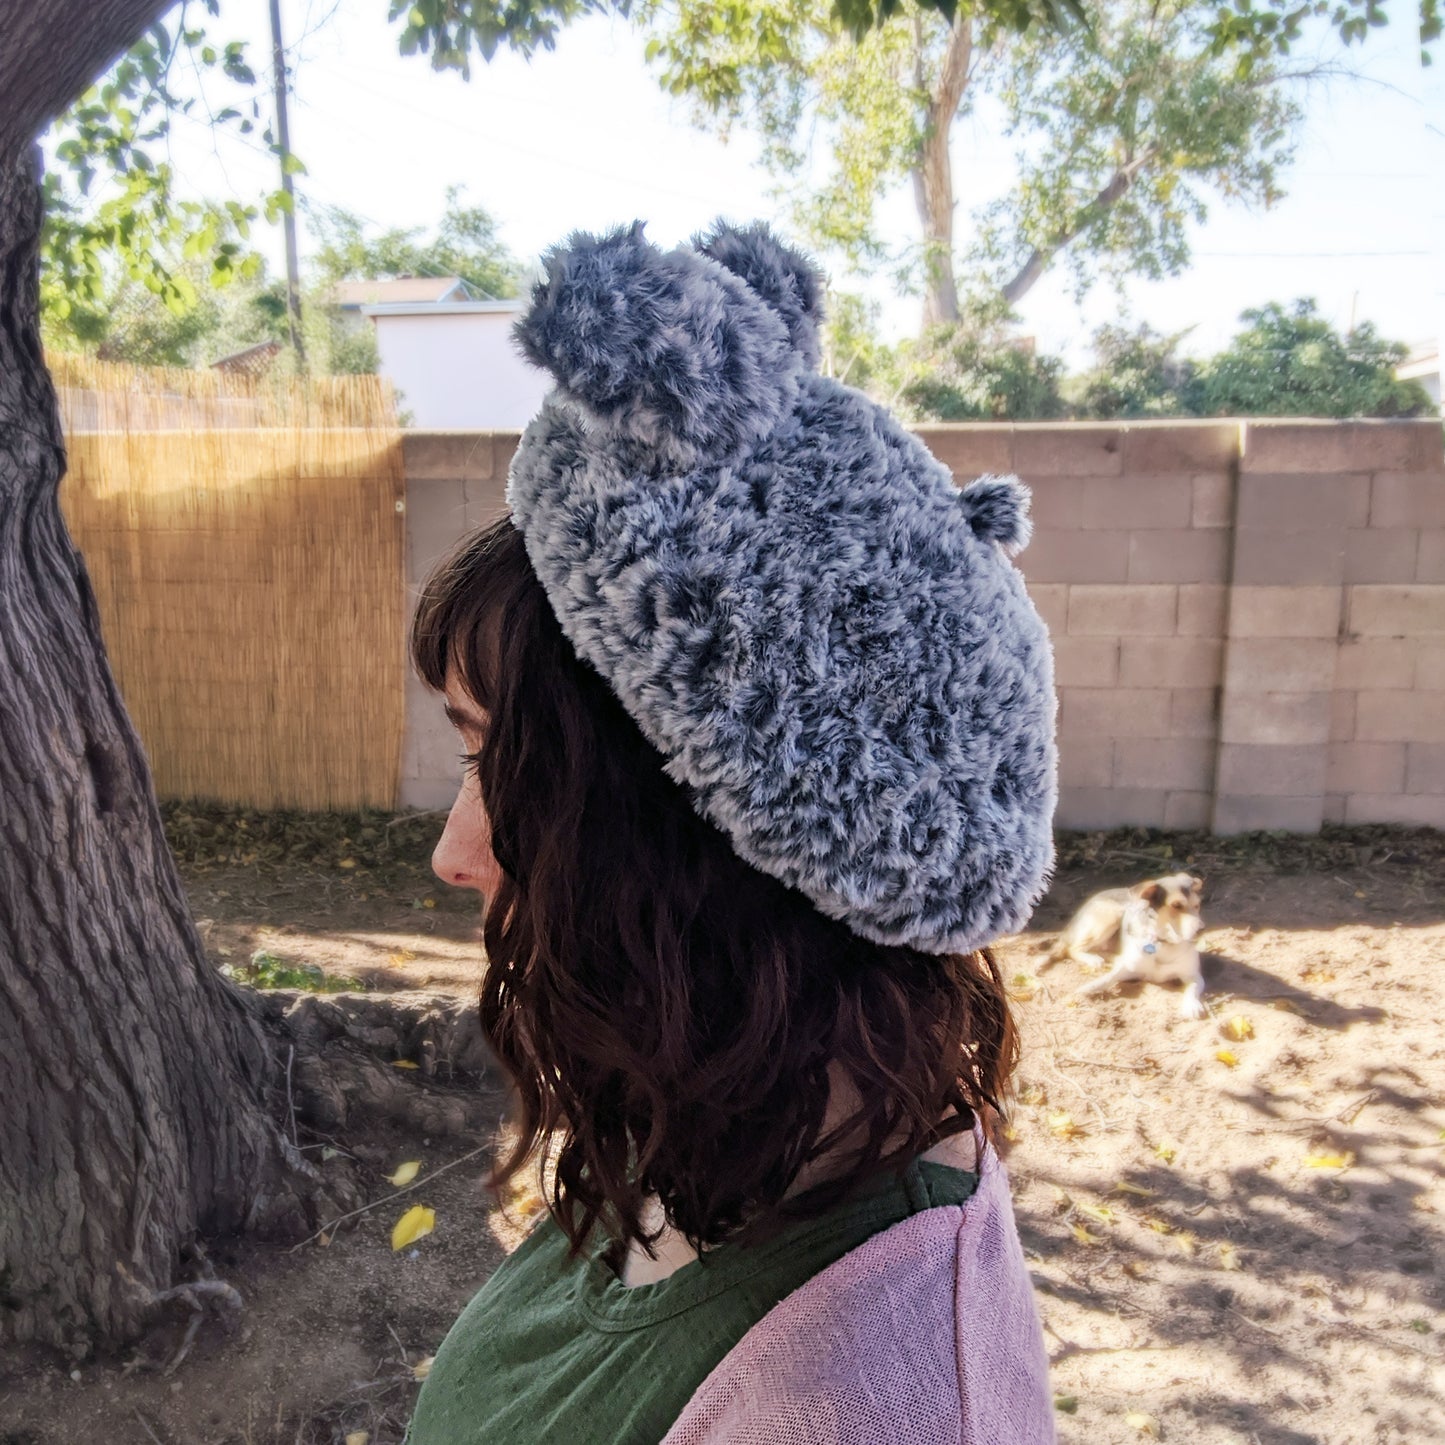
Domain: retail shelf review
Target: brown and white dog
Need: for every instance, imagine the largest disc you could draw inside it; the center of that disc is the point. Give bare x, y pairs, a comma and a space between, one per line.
1148, 932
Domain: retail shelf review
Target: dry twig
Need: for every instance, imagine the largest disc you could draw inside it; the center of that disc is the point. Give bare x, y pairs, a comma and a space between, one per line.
387, 1198
141, 1421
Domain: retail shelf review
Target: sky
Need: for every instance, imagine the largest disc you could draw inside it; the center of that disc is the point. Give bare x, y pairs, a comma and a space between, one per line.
583, 137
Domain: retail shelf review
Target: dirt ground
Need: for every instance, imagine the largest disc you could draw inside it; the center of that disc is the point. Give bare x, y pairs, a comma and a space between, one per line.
1233, 1239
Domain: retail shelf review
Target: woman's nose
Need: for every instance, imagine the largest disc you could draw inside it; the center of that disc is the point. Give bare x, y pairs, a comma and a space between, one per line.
462, 857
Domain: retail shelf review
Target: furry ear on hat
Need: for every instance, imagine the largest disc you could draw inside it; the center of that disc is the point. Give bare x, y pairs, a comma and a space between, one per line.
786, 279
681, 358
997, 509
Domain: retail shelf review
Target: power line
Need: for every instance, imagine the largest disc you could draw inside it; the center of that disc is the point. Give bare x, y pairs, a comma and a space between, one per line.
1306, 255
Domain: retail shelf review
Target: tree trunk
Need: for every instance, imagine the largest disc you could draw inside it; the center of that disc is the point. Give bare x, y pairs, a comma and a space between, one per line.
140, 1091
933, 175
933, 195
134, 1078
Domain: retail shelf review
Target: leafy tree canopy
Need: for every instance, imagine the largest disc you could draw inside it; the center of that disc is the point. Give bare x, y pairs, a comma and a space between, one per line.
1123, 138
126, 321
112, 207
1121, 127
465, 243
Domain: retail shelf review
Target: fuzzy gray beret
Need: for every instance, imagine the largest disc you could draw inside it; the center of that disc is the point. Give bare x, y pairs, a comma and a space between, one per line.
822, 635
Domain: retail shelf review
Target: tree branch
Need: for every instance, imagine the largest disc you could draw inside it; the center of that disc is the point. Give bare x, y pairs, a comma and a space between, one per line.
52, 50
1116, 189
1119, 184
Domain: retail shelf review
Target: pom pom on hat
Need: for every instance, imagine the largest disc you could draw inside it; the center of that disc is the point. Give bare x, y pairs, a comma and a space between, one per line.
662, 348
784, 278
997, 508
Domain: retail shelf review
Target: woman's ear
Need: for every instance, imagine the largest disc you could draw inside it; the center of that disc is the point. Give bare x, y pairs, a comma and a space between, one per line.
785, 279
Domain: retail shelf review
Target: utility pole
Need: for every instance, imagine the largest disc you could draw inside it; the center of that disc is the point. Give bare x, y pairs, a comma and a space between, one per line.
288, 219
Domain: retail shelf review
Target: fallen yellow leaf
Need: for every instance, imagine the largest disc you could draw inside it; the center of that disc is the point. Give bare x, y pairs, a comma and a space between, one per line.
347, 863
1101, 1212
1165, 1152
1033, 1095
1330, 1161
1063, 1126
405, 1173
1239, 1028
1137, 1268
1124, 1187
1228, 1256
416, 1222
1227, 1057
1010, 1133
404, 1064
1144, 1424
422, 1368
1159, 1226
358, 1437
1083, 1235
428, 903
402, 955
1186, 1242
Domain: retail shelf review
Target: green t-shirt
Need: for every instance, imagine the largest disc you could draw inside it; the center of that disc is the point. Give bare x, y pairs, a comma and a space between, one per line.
558, 1350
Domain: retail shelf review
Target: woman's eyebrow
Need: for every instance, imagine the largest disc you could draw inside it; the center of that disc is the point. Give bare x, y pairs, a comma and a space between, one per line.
462, 721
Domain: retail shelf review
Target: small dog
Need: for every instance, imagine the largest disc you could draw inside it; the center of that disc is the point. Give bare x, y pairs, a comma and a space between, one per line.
1150, 930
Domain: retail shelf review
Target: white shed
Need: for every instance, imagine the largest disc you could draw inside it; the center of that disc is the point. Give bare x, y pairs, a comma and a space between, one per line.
454, 365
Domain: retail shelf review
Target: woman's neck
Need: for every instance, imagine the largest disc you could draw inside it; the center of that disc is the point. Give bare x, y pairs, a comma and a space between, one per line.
671, 1251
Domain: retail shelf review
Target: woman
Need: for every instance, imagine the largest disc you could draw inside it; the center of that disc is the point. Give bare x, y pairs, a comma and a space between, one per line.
758, 730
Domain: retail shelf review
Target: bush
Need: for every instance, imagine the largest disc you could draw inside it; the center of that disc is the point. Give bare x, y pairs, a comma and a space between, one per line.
959, 373
1289, 361
1136, 374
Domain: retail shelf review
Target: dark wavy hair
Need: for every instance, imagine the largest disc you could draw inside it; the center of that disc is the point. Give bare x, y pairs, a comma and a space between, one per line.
674, 1021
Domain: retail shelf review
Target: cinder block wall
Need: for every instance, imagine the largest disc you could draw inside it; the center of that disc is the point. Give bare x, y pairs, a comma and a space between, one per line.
1248, 618
1129, 566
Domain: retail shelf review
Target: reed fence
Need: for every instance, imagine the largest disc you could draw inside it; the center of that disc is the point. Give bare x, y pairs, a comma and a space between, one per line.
245, 538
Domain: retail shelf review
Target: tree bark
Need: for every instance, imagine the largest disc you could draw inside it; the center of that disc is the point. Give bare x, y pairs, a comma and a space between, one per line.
933, 176
134, 1078
50, 50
